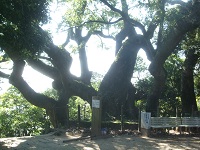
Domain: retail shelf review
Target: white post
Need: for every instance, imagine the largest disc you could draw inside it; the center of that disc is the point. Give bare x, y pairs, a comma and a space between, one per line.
145, 123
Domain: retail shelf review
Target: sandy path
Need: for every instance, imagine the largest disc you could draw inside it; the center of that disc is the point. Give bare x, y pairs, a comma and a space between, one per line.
123, 142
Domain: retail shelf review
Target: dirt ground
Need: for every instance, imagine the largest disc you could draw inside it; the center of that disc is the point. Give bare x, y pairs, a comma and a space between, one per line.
117, 142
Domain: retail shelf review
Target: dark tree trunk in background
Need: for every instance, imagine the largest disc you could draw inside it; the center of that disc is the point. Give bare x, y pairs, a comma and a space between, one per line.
188, 97
153, 99
170, 39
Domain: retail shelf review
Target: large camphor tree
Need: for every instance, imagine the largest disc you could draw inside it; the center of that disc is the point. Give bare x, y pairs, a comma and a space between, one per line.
162, 24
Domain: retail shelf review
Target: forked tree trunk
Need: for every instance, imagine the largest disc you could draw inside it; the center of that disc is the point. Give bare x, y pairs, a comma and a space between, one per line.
116, 84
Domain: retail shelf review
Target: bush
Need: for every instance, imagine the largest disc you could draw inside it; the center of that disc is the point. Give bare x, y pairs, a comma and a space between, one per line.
18, 117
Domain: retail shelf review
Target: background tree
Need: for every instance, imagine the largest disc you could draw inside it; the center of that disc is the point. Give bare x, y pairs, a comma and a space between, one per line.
188, 95
169, 102
196, 83
177, 26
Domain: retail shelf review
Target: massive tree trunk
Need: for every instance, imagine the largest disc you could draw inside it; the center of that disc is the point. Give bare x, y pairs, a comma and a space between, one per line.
188, 97
115, 87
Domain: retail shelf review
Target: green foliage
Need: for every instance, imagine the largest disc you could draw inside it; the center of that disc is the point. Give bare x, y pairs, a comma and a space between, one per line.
141, 104
143, 88
85, 109
197, 88
170, 98
73, 106
87, 14
170, 107
51, 93
169, 101
75, 13
18, 117
19, 25
23, 11
140, 65
96, 80
198, 102
140, 69
173, 66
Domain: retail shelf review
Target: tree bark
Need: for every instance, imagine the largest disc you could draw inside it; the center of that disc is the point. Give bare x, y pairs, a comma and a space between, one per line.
116, 83
34, 98
188, 97
81, 41
66, 84
172, 38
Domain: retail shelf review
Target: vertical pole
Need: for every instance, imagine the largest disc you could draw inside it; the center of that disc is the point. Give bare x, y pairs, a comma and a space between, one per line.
67, 109
176, 116
84, 111
79, 116
122, 119
96, 116
139, 120
158, 111
145, 123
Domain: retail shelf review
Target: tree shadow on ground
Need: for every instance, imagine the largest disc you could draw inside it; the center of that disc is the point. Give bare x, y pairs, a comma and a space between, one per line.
122, 142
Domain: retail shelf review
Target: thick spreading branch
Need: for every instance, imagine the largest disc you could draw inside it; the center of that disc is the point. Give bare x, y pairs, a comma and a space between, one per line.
139, 25
61, 59
100, 21
124, 6
175, 34
43, 68
34, 98
84, 91
174, 2
4, 75
100, 33
112, 7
